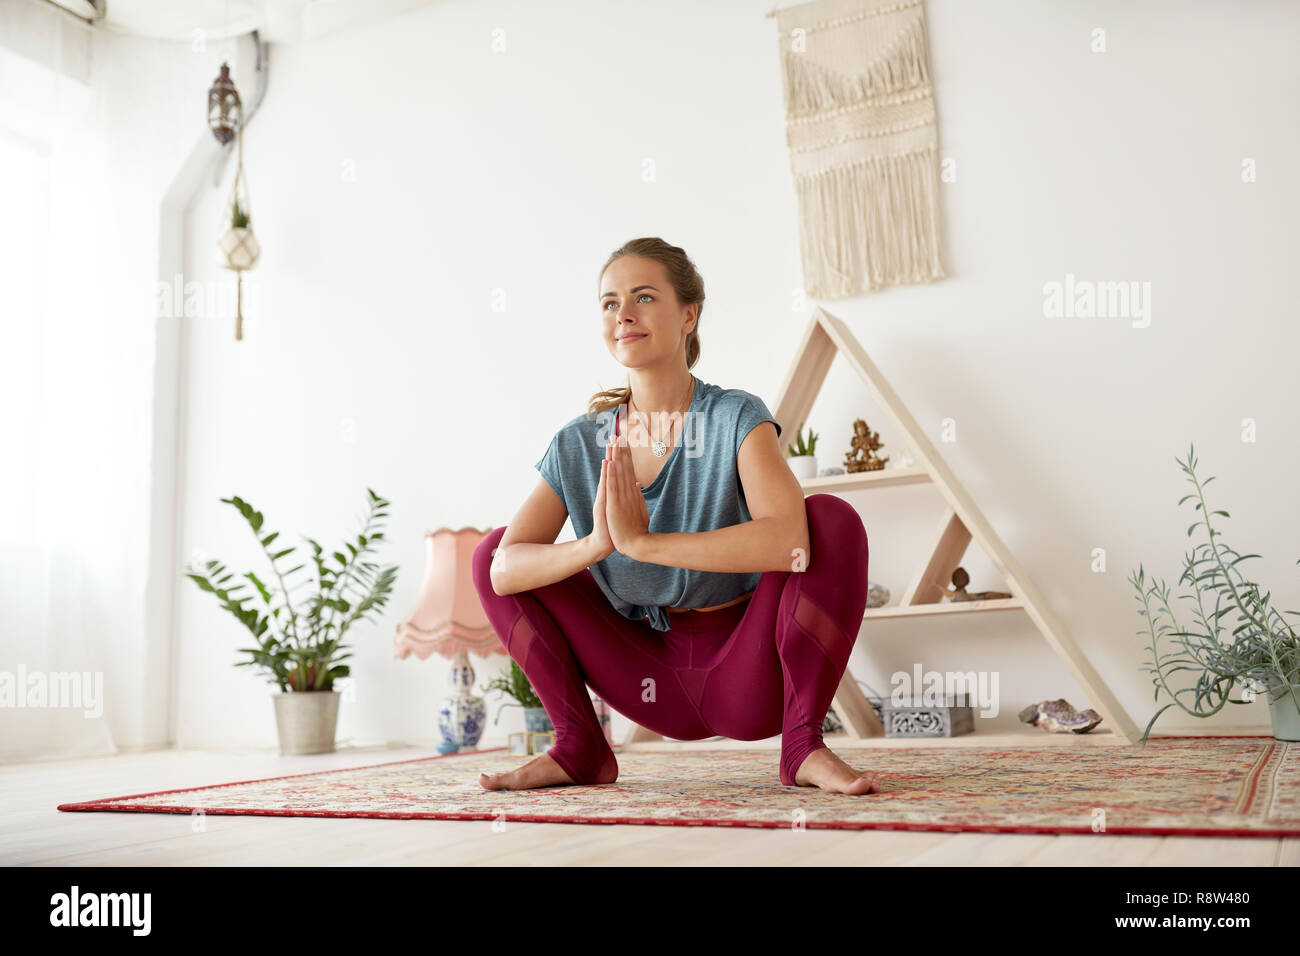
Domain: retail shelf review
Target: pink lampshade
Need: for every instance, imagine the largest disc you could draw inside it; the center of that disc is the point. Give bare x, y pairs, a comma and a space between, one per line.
448, 616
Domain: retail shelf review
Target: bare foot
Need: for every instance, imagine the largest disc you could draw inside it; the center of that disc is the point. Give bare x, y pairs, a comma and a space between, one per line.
541, 771
822, 768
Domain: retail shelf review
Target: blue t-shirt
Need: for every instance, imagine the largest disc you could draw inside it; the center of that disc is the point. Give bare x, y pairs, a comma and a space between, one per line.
697, 489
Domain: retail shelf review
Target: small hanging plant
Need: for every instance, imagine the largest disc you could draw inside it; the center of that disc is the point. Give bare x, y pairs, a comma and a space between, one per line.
237, 247
238, 216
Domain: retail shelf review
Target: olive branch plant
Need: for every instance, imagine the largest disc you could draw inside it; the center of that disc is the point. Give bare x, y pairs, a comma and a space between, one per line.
301, 648
1262, 652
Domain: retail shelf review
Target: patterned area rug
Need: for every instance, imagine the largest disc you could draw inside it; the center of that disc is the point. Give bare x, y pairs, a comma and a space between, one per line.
1176, 786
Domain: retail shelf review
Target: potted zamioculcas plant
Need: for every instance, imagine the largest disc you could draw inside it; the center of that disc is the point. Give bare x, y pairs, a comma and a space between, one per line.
803, 455
1259, 656
301, 645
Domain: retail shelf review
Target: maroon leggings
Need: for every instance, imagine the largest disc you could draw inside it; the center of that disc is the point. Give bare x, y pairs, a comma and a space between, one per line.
766, 665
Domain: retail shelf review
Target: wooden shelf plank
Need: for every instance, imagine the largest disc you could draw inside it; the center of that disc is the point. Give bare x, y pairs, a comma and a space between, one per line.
950, 543
884, 478
945, 607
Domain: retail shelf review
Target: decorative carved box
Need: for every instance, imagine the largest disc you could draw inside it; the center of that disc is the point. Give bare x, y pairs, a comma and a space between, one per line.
916, 718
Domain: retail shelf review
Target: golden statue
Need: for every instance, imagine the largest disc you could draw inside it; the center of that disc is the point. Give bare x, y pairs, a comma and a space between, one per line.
865, 443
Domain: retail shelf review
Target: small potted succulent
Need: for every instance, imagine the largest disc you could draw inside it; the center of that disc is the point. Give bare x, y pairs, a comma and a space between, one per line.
301, 648
515, 685
803, 458
1261, 654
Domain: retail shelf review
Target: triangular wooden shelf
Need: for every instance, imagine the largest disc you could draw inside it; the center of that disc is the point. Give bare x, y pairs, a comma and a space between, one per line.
962, 522
828, 336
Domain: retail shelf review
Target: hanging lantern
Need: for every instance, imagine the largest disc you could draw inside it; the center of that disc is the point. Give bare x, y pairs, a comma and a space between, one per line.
237, 247
225, 112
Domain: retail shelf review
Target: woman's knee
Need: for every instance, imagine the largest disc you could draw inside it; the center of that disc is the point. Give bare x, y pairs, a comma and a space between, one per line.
482, 561
831, 518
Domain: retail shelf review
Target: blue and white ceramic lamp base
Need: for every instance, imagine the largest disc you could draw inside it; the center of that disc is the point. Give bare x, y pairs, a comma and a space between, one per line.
463, 715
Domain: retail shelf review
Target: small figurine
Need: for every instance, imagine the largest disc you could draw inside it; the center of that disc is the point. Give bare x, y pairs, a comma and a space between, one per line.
1058, 717
865, 442
959, 593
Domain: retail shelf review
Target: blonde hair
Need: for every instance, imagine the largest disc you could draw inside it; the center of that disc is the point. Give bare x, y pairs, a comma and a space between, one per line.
686, 282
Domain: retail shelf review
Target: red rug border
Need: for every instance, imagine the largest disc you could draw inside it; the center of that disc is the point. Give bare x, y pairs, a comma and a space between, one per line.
103, 804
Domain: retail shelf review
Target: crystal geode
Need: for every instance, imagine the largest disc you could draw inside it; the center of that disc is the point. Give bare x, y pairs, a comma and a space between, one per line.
1058, 717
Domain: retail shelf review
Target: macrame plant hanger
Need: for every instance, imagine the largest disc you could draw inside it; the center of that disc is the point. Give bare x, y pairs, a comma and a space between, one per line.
237, 248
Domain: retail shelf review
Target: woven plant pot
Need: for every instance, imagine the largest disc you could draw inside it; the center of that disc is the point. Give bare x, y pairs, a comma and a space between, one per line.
238, 249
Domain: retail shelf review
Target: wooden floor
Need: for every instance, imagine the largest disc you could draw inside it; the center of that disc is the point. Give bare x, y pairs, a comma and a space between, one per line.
34, 833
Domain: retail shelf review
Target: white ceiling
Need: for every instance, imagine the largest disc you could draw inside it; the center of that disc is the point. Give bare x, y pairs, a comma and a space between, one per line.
277, 21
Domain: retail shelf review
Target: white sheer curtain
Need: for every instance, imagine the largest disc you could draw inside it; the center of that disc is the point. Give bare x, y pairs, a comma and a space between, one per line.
70, 381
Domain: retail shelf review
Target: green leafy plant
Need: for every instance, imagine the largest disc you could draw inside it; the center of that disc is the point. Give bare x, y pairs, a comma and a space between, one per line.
802, 449
1260, 653
516, 685
301, 649
238, 216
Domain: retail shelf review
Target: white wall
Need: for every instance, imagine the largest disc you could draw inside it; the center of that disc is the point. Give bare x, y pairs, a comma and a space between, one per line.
374, 356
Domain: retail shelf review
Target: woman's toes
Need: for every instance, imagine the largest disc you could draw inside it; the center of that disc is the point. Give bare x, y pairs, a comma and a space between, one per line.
873, 782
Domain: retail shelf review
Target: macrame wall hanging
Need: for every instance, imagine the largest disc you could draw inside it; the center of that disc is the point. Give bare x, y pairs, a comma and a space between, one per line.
860, 125
237, 247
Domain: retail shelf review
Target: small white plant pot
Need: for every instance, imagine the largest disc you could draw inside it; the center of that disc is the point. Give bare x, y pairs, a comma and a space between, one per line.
1283, 712
803, 466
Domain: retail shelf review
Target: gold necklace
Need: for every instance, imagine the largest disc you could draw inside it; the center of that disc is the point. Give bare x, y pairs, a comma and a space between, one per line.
658, 446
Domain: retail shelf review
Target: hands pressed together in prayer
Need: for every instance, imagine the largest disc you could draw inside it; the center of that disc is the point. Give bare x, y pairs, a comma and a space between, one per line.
620, 521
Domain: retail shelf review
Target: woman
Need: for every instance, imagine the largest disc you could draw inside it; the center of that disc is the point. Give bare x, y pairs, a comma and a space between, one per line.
703, 594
